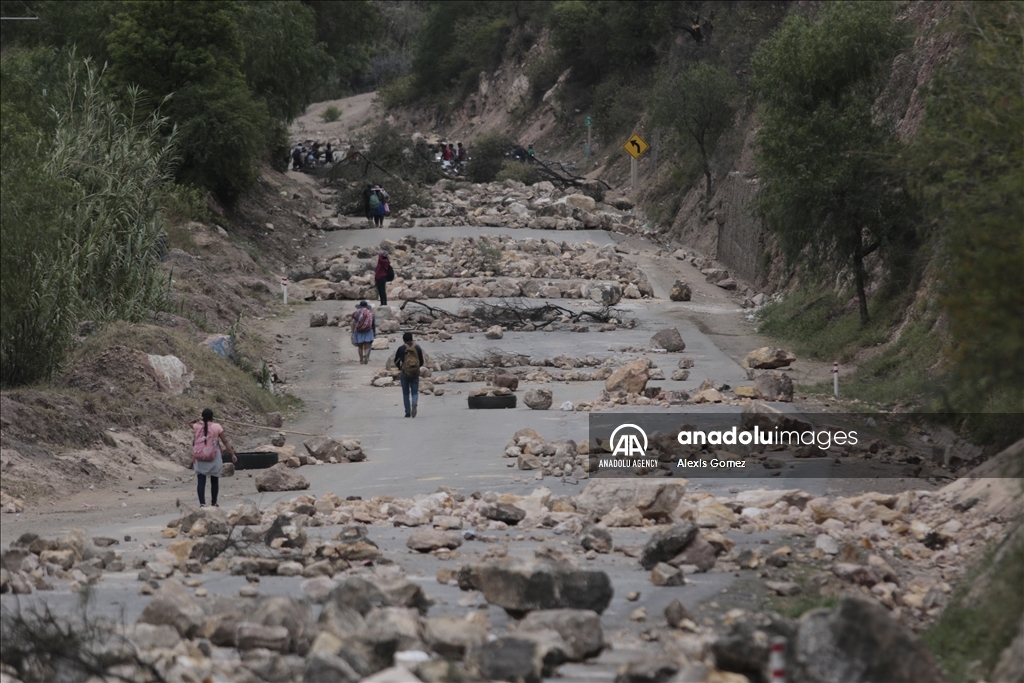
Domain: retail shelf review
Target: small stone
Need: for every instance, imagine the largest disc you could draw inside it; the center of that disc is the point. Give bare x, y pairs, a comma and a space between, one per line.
784, 588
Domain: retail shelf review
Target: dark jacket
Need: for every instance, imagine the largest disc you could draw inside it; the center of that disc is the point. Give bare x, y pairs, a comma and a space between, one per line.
381, 271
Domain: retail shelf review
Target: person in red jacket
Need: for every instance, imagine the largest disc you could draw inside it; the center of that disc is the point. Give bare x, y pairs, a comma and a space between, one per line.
382, 275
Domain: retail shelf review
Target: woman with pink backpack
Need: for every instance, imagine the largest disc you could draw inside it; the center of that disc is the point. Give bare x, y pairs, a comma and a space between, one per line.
207, 439
364, 329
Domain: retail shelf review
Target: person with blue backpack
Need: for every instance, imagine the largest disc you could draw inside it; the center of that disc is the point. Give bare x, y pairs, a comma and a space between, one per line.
207, 461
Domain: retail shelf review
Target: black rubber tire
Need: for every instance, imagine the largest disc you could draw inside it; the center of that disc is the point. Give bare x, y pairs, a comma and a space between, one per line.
255, 460
492, 402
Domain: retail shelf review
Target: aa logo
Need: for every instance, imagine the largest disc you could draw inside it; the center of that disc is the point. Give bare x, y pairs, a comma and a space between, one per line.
631, 443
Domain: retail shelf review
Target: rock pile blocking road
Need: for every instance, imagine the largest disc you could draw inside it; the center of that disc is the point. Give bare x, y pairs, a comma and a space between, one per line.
892, 556
469, 268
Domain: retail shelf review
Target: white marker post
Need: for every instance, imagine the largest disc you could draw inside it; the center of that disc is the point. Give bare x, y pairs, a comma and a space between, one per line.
777, 660
284, 289
835, 379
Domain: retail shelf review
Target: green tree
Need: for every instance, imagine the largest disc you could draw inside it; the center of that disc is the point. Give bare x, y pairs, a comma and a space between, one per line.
283, 63
828, 187
347, 31
970, 170
698, 104
600, 37
191, 53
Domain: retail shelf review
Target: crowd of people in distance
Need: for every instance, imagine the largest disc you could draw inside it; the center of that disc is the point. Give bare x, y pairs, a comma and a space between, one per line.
451, 157
310, 153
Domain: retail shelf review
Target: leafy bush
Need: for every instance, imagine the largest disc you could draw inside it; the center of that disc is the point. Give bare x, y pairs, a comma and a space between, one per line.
488, 157
331, 114
183, 203
522, 171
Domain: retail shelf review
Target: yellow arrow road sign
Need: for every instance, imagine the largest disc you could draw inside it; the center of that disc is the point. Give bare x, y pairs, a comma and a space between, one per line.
636, 146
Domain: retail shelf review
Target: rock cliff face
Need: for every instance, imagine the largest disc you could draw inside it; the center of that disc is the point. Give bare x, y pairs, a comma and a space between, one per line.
725, 227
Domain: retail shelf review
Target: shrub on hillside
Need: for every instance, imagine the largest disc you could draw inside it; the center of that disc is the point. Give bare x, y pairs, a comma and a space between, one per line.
488, 156
331, 114
522, 171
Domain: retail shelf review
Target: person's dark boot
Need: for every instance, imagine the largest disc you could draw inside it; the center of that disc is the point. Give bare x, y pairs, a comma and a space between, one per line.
414, 410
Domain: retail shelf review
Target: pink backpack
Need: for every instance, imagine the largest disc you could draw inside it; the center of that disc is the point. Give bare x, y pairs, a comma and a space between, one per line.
204, 447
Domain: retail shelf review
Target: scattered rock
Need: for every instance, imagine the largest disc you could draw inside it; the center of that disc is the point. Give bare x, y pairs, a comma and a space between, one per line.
538, 399
655, 499
494, 332
280, 478
521, 586
173, 605
503, 512
579, 629
768, 358
680, 291
667, 543
318, 319
631, 377
770, 386
425, 540
668, 339
508, 658
663, 574
859, 642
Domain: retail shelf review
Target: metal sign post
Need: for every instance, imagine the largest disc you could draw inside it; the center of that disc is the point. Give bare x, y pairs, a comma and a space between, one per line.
636, 146
590, 125
284, 289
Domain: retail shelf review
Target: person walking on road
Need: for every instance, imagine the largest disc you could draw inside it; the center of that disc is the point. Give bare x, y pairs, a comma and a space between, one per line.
207, 460
409, 360
364, 330
382, 275
379, 205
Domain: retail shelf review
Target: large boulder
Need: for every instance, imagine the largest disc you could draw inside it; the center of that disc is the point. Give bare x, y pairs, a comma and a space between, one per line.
451, 637
769, 418
656, 499
293, 615
606, 295
538, 399
767, 358
680, 291
668, 339
521, 586
323, 448
281, 478
859, 642
667, 543
699, 553
508, 658
174, 606
771, 386
581, 201
506, 380
426, 540
631, 377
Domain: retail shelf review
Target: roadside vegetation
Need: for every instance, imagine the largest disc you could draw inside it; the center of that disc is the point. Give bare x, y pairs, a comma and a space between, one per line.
103, 164
903, 254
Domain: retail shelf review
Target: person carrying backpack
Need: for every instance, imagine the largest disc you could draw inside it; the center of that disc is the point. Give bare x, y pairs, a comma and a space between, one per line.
382, 275
364, 330
207, 439
409, 364
379, 205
